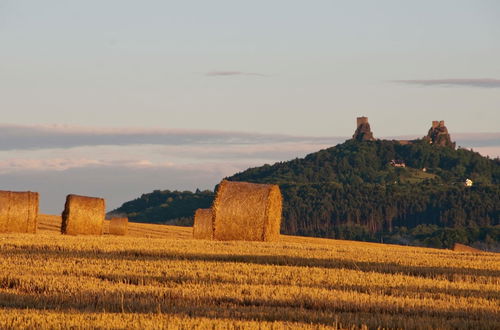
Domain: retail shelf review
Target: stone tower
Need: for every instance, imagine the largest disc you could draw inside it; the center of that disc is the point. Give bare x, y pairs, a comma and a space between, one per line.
363, 131
438, 135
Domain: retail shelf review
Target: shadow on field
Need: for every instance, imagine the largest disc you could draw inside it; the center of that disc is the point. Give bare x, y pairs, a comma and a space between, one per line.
396, 291
312, 311
449, 273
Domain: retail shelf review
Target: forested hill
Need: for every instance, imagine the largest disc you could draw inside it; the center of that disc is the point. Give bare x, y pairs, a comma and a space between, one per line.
360, 190
165, 206
365, 162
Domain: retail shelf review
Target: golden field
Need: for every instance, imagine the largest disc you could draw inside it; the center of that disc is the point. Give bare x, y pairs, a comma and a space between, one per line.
158, 277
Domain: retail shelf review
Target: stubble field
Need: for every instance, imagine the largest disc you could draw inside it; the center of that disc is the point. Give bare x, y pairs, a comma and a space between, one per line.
160, 278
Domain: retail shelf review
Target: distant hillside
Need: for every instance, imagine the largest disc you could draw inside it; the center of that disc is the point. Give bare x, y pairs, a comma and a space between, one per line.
360, 190
165, 206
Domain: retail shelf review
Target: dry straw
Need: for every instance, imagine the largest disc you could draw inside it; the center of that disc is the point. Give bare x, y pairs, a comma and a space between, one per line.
118, 226
464, 248
48, 222
202, 227
247, 211
83, 215
18, 212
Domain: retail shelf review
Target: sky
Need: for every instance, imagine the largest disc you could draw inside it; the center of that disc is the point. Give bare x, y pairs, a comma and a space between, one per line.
118, 98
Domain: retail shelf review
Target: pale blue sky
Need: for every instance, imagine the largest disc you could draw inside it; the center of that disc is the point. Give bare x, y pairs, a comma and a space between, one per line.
301, 68
144, 63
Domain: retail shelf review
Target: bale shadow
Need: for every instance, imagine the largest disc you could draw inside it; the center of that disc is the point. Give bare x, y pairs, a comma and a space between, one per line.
142, 280
448, 273
251, 309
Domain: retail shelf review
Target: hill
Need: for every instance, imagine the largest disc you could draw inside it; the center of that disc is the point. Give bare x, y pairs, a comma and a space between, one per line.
166, 207
352, 191
160, 278
406, 192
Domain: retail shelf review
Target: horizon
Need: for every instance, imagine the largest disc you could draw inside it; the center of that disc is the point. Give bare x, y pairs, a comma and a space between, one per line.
53, 161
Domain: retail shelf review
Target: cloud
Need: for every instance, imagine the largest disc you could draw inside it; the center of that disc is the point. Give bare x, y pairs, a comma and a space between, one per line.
59, 148
15, 165
17, 137
58, 164
480, 83
233, 73
148, 156
42, 137
266, 152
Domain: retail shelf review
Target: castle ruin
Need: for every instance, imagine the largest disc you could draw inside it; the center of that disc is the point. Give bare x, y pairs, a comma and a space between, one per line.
363, 131
438, 135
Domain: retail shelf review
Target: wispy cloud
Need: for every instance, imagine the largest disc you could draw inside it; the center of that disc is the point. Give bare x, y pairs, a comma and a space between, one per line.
233, 73
148, 156
218, 143
467, 82
18, 137
14, 165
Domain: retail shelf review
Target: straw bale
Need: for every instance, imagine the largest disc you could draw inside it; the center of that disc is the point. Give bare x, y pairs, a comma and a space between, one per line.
118, 226
83, 215
247, 211
48, 222
464, 248
202, 227
18, 211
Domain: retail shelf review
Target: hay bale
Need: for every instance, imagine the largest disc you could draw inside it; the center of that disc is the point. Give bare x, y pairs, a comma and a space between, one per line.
83, 215
18, 211
202, 227
118, 226
48, 222
247, 211
464, 248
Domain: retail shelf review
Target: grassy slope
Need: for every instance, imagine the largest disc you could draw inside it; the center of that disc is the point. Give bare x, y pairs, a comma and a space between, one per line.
160, 277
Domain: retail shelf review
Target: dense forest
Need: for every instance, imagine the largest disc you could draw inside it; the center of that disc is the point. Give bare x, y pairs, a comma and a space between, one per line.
166, 207
412, 193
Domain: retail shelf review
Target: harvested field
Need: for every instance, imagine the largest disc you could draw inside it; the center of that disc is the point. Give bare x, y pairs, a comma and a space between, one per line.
50, 223
18, 211
161, 277
246, 211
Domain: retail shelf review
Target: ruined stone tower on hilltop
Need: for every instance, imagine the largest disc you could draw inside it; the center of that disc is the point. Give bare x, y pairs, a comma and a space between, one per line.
363, 131
438, 135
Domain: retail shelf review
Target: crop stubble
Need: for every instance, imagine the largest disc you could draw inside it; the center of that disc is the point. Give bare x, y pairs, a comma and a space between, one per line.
166, 279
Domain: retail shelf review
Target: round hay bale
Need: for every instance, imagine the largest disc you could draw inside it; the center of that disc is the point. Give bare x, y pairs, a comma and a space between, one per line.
202, 227
464, 248
118, 226
247, 211
18, 211
49, 222
83, 215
